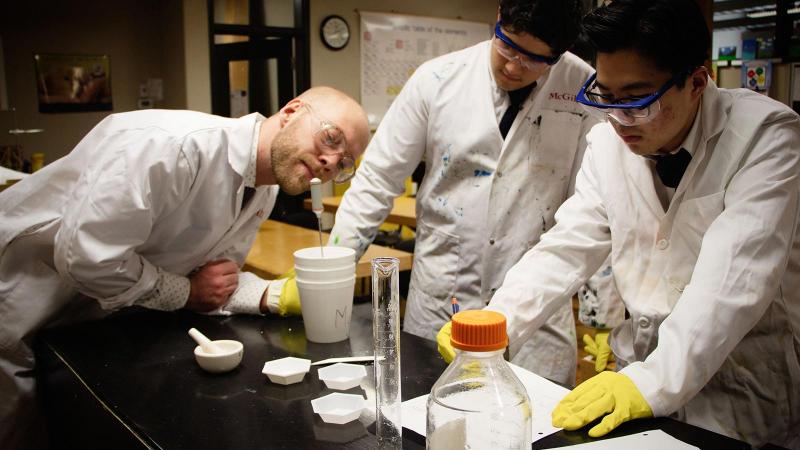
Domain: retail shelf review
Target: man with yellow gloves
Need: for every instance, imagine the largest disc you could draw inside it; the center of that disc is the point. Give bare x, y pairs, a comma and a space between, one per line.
694, 191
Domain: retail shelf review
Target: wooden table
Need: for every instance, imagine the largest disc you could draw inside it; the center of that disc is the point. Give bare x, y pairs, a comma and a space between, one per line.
7, 184
271, 254
403, 212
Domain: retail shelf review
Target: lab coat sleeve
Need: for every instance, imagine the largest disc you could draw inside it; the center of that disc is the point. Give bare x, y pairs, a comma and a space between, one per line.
394, 152
170, 293
551, 272
138, 175
247, 297
742, 259
600, 304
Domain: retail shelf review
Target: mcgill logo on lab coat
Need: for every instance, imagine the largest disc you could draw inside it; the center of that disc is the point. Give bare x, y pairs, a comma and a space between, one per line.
566, 96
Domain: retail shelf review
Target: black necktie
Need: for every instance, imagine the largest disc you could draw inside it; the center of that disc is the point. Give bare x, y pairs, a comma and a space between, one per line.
248, 194
670, 168
516, 99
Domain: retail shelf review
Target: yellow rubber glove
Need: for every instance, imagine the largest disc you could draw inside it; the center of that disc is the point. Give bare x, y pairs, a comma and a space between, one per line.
443, 340
599, 348
608, 393
289, 301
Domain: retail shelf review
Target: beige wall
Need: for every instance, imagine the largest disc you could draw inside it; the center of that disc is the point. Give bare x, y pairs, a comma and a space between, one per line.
165, 39
161, 39
140, 36
197, 83
173, 66
341, 68
168, 39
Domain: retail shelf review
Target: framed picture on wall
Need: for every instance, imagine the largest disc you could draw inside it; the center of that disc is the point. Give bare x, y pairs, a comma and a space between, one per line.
73, 83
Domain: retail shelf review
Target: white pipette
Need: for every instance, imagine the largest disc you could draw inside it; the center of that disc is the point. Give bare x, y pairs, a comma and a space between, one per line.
205, 343
316, 207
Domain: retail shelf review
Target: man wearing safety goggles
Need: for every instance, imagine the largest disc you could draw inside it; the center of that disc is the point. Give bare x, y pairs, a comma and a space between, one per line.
630, 110
156, 209
501, 137
694, 191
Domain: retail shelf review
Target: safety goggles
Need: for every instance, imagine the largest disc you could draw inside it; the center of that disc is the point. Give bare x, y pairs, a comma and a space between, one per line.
511, 51
332, 141
628, 111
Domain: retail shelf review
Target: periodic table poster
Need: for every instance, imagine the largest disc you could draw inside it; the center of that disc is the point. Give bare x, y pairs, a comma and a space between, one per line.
394, 45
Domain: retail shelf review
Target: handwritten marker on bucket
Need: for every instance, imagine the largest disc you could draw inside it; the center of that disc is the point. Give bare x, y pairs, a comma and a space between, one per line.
454, 303
316, 207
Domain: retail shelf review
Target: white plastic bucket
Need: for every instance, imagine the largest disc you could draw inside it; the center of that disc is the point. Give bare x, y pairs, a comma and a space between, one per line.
327, 307
311, 258
325, 275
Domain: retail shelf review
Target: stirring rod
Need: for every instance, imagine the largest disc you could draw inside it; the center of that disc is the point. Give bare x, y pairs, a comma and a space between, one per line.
347, 359
316, 207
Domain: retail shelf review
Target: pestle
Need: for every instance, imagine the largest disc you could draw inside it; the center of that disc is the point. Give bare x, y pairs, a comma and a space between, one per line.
204, 342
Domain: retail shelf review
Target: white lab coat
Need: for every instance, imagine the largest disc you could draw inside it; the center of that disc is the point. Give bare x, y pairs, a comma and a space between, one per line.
712, 284
483, 201
143, 192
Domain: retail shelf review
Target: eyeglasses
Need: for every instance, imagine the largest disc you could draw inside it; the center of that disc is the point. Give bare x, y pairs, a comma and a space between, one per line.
331, 140
511, 51
628, 111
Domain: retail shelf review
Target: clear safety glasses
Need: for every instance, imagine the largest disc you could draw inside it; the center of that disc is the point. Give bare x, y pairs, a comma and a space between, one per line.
332, 141
627, 111
511, 51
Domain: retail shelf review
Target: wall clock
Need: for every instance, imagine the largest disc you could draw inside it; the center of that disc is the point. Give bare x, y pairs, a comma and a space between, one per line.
335, 32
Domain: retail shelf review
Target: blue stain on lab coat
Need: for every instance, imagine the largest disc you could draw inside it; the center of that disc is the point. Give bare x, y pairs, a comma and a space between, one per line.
481, 173
445, 163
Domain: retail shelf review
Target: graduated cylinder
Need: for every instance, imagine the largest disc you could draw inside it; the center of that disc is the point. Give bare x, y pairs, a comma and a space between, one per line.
386, 334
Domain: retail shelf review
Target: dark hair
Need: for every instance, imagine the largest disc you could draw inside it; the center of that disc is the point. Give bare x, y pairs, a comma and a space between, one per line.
556, 22
671, 33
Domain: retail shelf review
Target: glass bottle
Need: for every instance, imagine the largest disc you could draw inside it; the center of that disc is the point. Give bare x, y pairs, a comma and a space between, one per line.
478, 402
37, 161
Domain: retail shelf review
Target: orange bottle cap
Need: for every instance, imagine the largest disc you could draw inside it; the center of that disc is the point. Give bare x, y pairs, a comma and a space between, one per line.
479, 331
